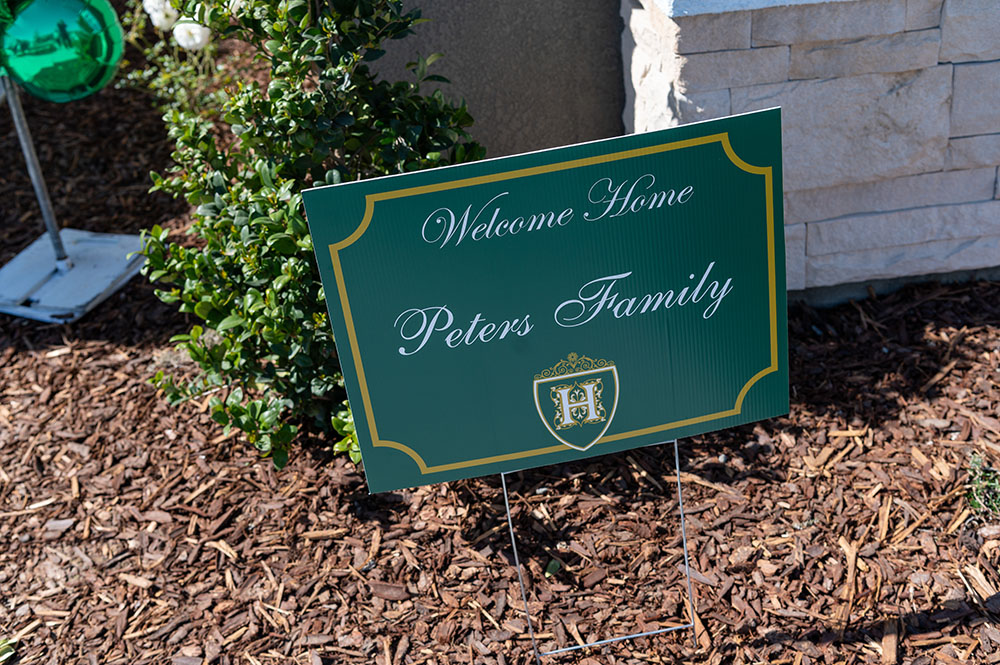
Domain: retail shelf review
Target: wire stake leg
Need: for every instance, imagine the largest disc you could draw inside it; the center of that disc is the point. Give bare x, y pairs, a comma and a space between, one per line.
684, 540
687, 573
517, 564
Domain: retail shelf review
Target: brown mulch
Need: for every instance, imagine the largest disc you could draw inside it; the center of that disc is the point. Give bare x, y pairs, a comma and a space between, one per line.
135, 533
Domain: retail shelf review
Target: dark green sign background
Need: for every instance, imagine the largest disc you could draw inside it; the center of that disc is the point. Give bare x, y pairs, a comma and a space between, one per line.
561, 304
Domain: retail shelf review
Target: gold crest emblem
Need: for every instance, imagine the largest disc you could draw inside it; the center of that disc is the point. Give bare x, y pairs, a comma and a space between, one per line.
577, 398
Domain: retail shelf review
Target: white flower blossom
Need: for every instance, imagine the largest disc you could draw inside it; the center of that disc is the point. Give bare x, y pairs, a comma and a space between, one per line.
161, 13
190, 35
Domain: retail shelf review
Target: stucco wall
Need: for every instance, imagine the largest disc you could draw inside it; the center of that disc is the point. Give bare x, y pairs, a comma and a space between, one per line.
534, 74
890, 121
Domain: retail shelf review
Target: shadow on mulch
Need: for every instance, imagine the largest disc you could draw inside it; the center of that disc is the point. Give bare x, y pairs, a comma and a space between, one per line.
863, 362
913, 622
132, 317
892, 348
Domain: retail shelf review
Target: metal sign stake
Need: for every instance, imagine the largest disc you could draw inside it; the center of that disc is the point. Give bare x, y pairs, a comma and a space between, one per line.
524, 595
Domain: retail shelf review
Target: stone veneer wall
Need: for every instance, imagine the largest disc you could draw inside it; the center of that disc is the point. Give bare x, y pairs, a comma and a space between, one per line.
890, 114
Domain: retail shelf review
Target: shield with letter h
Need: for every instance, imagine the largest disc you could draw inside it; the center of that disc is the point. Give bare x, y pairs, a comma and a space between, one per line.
576, 399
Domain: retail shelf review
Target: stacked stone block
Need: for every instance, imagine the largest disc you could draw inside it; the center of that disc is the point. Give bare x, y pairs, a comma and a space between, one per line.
890, 120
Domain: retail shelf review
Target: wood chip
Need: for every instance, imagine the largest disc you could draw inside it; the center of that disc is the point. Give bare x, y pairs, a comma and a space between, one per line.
890, 642
59, 526
324, 534
135, 580
593, 577
223, 547
848, 433
389, 591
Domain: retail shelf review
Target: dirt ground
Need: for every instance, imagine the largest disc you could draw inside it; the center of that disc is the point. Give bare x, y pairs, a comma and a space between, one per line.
133, 532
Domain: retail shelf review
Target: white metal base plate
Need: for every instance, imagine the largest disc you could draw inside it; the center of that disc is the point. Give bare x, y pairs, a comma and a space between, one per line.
34, 287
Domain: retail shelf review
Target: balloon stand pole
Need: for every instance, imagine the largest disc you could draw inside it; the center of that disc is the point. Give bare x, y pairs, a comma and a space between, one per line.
64, 273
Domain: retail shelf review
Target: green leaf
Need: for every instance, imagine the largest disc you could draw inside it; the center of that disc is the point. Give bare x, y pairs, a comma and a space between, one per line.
283, 243
235, 397
280, 457
253, 300
231, 321
7, 650
203, 309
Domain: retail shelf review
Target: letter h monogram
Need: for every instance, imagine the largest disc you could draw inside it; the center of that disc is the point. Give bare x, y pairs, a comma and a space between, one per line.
578, 404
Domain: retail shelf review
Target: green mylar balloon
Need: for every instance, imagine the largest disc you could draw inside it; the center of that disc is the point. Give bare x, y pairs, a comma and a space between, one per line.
61, 50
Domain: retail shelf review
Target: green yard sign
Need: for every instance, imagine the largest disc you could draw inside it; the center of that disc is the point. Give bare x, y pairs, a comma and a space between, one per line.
561, 304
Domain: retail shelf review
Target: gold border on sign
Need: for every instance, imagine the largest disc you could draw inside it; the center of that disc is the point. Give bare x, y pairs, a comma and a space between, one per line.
372, 199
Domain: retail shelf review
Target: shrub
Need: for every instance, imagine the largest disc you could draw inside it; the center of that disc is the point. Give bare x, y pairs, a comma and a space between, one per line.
313, 112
